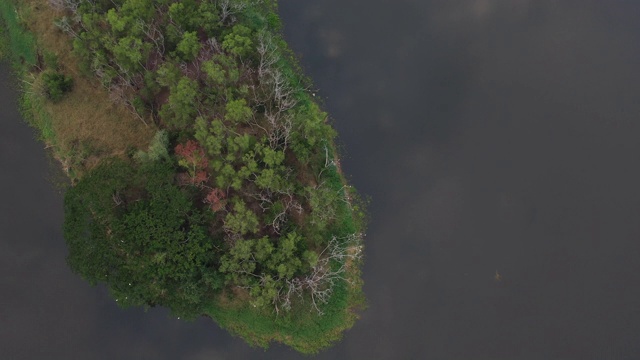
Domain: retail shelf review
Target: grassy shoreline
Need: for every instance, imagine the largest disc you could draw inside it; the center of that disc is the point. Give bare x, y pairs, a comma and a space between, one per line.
86, 127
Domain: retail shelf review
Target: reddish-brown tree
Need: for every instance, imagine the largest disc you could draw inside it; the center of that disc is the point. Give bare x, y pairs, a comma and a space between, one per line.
192, 157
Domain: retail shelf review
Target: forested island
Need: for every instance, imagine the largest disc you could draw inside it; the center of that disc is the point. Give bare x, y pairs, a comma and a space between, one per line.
204, 175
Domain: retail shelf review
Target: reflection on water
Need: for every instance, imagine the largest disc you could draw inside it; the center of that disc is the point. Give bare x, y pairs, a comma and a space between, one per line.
495, 138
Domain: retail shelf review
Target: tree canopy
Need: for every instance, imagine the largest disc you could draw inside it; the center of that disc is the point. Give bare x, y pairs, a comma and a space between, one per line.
239, 199
135, 230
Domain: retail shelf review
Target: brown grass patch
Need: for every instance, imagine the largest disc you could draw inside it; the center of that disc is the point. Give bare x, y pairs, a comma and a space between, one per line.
86, 115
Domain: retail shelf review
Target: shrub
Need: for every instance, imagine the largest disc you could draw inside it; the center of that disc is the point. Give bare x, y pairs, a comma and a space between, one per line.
56, 85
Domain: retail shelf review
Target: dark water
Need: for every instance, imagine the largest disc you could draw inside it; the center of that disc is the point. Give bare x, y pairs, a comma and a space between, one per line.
493, 136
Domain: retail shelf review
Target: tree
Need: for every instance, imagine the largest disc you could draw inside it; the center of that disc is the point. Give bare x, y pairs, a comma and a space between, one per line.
189, 47
276, 271
126, 19
180, 110
238, 42
209, 18
158, 149
216, 199
129, 53
212, 136
237, 111
327, 268
149, 250
189, 16
241, 220
215, 72
191, 156
230, 7
184, 15
168, 74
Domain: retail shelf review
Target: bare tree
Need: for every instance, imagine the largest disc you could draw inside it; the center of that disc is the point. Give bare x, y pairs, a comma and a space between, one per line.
283, 91
154, 34
65, 26
228, 8
268, 54
319, 284
118, 94
277, 96
213, 44
321, 281
278, 129
66, 5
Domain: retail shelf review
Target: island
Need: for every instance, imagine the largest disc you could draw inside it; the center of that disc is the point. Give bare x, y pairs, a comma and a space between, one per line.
204, 175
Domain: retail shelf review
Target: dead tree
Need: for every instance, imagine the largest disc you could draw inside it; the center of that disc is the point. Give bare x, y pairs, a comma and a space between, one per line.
228, 8
154, 34
65, 26
268, 54
66, 5
319, 284
118, 94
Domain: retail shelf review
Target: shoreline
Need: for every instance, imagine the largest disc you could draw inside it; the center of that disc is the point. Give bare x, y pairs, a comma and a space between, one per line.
70, 130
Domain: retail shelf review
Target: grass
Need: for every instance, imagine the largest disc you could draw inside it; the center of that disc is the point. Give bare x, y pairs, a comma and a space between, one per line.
85, 126
4, 41
302, 328
19, 44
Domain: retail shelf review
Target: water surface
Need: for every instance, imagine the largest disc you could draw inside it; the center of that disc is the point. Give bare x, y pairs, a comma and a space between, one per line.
492, 137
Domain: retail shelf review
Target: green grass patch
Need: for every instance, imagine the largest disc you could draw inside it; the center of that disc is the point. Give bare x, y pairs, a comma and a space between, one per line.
33, 111
4, 40
301, 328
19, 44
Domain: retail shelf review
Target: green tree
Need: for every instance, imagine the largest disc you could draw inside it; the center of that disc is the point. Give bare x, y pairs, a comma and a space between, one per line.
209, 18
124, 21
181, 14
238, 112
239, 41
130, 53
158, 148
168, 74
241, 220
264, 266
324, 202
310, 131
212, 136
149, 250
215, 72
189, 47
181, 108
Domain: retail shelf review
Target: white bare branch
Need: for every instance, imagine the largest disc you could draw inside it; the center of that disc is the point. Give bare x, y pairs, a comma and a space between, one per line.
268, 54
331, 267
65, 26
154, 34
118, 94
228, 8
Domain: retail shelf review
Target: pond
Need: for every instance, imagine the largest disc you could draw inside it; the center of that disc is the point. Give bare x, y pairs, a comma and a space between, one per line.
499, 143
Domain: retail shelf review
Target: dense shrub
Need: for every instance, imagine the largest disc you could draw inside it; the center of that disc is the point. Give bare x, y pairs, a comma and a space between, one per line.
137, 232
56, 84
